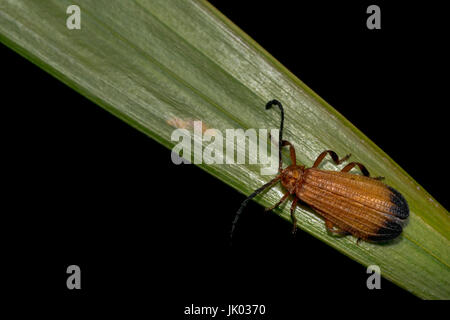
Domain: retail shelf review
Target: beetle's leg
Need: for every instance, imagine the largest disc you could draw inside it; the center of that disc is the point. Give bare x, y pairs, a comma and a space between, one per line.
285, 196
291, 151
363, 169
294, 219
333, 155
331, 228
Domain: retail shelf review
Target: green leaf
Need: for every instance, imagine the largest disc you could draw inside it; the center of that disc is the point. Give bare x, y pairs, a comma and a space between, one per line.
157, 63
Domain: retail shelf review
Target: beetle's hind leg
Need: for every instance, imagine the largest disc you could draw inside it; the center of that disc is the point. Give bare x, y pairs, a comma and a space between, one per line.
334, 230
363, 169
333, 155
351, 165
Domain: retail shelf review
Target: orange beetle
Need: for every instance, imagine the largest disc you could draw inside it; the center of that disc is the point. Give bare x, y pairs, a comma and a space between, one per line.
350, 204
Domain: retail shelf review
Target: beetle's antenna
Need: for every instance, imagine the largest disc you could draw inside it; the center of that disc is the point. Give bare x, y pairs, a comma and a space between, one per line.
250, 197
280, 136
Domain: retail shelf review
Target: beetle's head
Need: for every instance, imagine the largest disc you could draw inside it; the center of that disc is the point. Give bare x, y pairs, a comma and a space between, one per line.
291, 177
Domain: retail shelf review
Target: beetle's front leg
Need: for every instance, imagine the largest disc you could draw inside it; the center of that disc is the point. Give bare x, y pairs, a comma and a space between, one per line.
291, 151
294, 219
278, 203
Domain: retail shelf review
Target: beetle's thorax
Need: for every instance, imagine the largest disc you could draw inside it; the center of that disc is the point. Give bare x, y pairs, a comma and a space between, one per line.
292, 177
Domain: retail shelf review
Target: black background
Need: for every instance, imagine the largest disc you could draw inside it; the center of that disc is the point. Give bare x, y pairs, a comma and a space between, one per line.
83, 183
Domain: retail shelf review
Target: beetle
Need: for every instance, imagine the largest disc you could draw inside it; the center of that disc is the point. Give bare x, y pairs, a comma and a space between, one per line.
349, 203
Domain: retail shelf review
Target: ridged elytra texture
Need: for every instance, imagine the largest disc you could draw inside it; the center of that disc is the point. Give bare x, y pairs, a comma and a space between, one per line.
362, 206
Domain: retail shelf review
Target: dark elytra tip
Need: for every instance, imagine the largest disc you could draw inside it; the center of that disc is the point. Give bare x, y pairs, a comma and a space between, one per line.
399, 206
390, 230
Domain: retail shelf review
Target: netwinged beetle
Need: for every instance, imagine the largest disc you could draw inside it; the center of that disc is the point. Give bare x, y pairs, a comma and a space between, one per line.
349, 203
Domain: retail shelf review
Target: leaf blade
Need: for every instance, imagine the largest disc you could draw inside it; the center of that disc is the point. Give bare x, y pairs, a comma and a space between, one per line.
149, 62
